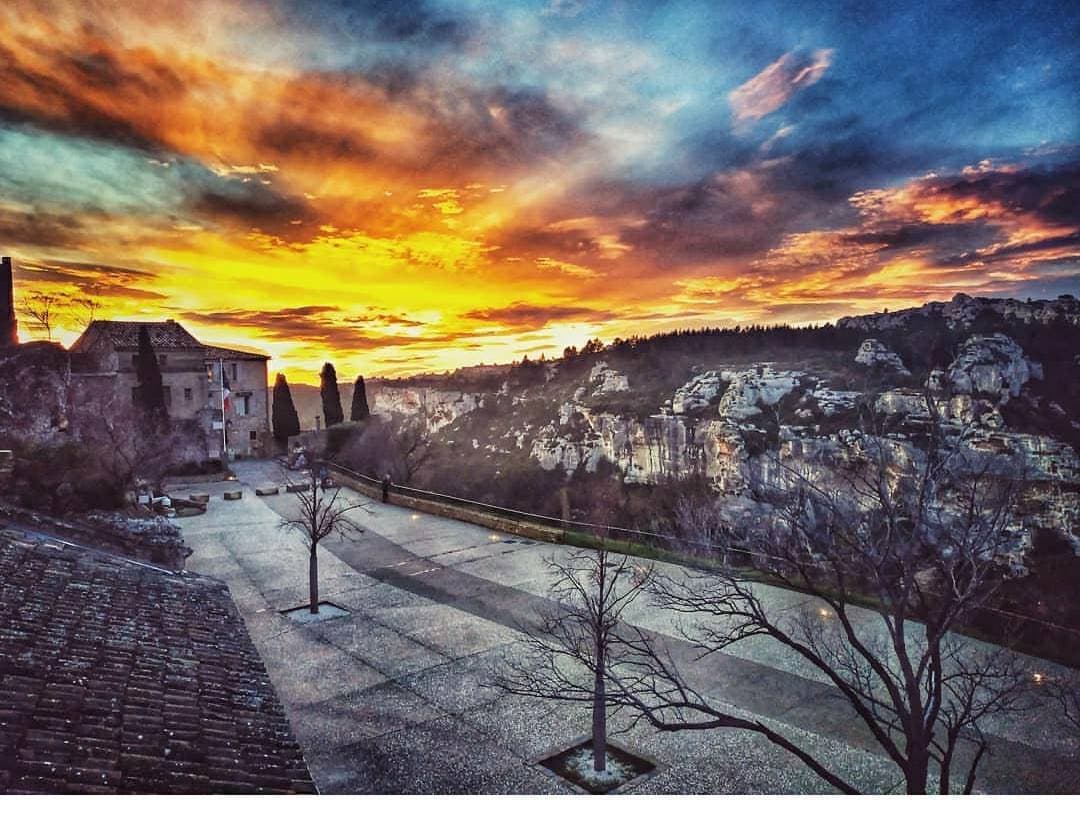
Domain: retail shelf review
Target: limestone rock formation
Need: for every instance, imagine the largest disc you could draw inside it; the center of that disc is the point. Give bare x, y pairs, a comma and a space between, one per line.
749, 390
440, 407
994, 366
962, 311
697, 393
833, 402
606, 380
874, 354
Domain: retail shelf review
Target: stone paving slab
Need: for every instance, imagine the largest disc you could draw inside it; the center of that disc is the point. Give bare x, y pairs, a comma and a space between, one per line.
462, 555
528, 726
429, 757
448, 543
390, 652
460, 685
348, 718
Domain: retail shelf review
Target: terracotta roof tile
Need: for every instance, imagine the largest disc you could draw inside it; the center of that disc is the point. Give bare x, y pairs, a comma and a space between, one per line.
228, 353
120, 677
167, 335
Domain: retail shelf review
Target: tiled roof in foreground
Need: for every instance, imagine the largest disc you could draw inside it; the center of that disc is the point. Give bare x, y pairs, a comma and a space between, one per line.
120, 677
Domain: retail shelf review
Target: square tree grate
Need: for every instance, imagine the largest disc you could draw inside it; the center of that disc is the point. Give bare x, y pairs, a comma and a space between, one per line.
327, 612
574, 764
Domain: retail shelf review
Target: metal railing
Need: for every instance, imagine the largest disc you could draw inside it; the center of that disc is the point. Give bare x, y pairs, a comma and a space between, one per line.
588, 528
1066, 651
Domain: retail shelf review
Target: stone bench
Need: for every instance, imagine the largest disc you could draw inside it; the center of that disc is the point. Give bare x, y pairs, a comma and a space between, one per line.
199, 498
266, 491
297, 488
234, 495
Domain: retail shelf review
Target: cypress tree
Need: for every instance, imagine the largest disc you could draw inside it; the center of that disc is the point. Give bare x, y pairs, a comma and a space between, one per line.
359, 409
150, 392
331, 398
286, 422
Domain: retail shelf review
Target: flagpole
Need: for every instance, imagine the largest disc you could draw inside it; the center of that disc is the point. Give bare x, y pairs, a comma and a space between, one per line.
224, 440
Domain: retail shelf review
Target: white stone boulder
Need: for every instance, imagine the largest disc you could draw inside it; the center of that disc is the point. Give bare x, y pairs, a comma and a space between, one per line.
749, 390
873, 353
696, 393
832, 402
608, 380
993, 366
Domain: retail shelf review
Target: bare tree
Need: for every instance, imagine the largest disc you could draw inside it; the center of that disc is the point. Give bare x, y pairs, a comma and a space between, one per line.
42, 309
400, 447
575, 646
321, 511
414, 446
921, 539
127, 449
84, 311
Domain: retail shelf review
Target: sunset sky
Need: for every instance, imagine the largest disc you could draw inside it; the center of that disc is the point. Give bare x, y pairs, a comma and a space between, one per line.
416, 185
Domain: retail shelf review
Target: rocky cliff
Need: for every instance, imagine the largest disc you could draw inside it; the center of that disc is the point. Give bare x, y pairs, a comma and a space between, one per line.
438, 408
731, 417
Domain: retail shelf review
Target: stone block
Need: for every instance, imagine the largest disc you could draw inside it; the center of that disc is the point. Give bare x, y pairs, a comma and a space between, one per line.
234, 495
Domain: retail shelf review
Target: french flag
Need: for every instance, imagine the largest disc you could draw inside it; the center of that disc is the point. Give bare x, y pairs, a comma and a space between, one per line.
226, 393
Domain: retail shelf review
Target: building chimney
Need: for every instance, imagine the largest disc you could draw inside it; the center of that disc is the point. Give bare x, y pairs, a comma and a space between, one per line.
9, 334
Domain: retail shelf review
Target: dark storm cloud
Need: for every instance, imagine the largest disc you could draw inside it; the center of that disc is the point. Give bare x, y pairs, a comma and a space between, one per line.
464, 129
325, 325
1013, 252
66, 96
36, 228
499, 128
1051, 193
256, 207
524, 316
91, 279
298, 137
415, 23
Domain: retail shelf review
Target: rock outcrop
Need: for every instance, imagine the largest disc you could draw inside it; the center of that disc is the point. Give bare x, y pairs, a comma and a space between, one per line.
698, 392
992, 366
962, 311
35, 391
750, 390
766, 419
876, 355
439, 407
606, 381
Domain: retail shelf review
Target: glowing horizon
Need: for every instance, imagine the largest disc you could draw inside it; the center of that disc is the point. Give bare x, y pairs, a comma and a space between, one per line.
425, 185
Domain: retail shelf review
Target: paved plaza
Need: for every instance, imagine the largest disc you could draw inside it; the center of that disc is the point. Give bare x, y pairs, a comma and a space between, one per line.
395, 697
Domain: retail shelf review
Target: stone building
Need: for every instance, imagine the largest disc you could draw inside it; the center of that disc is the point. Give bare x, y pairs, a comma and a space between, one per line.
191, 373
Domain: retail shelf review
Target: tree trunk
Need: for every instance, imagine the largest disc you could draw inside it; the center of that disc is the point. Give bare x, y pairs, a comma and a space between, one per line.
916, 774
599, 714
313, 580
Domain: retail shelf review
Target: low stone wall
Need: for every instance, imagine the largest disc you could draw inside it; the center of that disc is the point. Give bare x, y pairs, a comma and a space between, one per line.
485, 520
